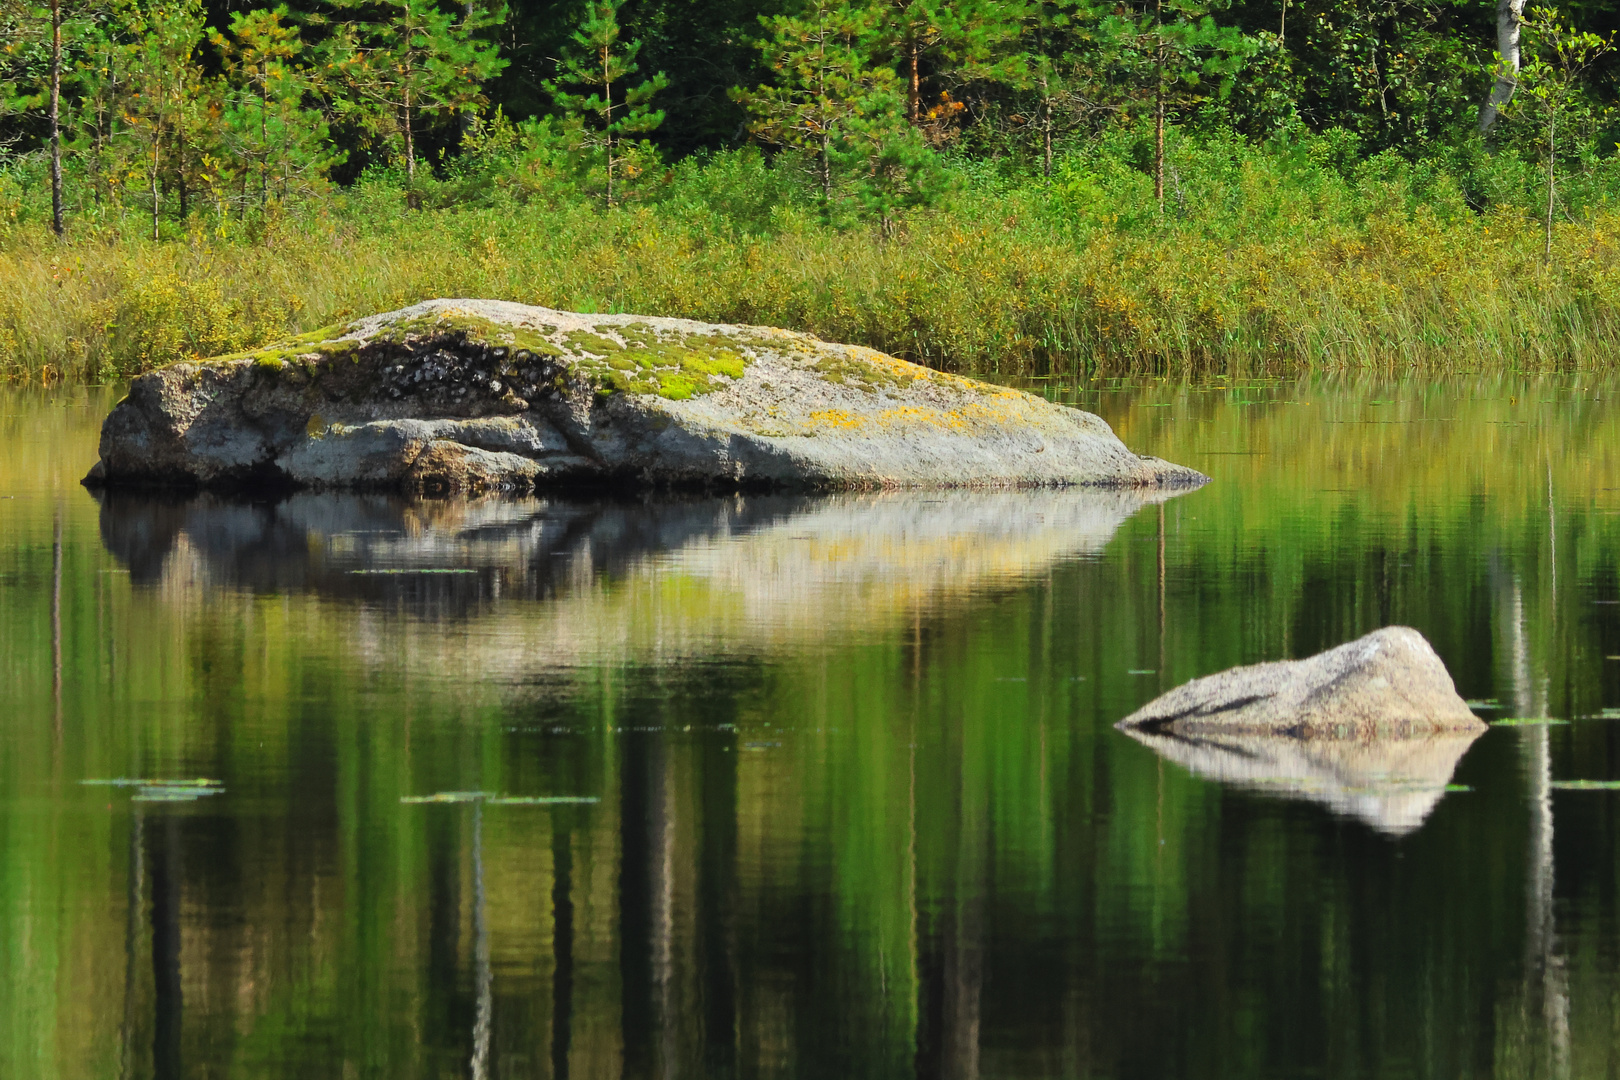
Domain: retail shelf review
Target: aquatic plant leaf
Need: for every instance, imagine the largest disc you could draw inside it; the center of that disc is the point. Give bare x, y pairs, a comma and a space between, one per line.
449, 797
1528, 721
544, 800
1586, 785
181, 792
125, 781
493, 799
421, 570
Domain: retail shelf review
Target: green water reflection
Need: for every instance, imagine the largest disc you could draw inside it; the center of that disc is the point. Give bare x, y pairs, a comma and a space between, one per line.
842, 796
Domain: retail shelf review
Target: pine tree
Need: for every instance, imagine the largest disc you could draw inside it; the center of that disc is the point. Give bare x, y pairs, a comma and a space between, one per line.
162, 106
36, 72
410, 61
835, 100
610, 121
893, 164
826, 80
965, 40
1049, 30
275, 135
1175, 51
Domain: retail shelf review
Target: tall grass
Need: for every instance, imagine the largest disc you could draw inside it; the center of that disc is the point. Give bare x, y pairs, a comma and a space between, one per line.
1266, 259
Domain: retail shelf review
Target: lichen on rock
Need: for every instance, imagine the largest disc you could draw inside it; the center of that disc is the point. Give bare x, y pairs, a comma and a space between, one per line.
405, 400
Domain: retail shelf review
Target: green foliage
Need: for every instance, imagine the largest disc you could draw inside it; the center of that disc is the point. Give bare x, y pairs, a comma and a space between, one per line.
166, 317
166, 103
405, 63
1168, 57
1300, 255
824, 80
893, 165
609, 124
273, 139
1548, 99
959, 41
880, 122
842, 112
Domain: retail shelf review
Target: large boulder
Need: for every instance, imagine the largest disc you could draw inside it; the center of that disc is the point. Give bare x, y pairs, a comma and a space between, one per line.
479, 395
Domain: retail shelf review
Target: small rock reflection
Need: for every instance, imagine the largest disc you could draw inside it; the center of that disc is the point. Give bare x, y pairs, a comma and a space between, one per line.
1390, 784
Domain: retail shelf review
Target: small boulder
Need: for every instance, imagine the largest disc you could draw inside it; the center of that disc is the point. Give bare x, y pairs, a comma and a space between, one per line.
1373, 729
1387, 684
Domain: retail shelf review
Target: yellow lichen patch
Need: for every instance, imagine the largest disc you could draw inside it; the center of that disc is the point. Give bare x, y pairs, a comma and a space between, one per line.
837, 418
911, 416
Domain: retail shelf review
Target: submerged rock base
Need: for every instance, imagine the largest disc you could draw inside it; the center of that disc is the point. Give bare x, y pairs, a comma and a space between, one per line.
468, 396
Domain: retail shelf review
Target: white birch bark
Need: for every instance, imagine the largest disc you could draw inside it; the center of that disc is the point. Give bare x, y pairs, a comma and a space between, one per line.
1509, 17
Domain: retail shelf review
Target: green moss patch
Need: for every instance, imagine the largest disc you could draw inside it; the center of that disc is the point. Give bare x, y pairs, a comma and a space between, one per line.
633, 358
476, 329
638, 359
845, 370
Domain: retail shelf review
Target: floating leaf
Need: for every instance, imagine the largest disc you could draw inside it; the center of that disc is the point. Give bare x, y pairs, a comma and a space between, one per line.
174, 793
449, 797
544, 800
124, 781
1528, 721
493, 799
1587, 785
1142, 671
1458, 787
421, 570
1487, 703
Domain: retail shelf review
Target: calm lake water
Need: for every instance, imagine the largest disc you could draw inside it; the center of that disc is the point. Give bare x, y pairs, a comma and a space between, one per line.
793, 787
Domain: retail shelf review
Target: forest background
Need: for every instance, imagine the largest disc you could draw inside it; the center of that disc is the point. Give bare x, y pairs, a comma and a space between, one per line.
1011, 188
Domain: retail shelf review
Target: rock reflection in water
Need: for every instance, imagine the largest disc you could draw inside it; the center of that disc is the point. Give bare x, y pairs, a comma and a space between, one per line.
781, 560
1391, 784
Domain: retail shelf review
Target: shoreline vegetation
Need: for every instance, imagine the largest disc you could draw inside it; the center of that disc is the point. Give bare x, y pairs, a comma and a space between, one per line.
1018, 191
1276, 264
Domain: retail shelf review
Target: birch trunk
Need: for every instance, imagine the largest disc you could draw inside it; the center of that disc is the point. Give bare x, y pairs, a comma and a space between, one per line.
1158, 105
410, 140
1509, 17
56, 117
1046, 128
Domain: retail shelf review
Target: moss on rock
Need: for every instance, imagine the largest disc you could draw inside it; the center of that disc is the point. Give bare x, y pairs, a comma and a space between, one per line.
630, 358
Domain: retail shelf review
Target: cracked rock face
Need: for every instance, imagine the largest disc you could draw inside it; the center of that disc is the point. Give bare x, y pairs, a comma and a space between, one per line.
468, 396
